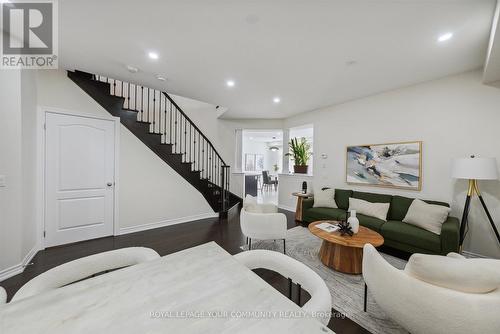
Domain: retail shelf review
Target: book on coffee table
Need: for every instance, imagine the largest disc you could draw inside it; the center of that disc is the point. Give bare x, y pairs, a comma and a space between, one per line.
327, 227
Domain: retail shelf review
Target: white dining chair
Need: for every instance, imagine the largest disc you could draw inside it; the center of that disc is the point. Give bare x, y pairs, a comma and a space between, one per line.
262, 222
320, 304
85, 267
3, 296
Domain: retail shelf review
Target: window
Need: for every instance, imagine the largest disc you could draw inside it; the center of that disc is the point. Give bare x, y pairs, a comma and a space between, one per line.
254, 162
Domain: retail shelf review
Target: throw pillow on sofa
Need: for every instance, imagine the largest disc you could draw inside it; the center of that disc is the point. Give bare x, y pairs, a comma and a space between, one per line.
430, 217
325, 198
377, 210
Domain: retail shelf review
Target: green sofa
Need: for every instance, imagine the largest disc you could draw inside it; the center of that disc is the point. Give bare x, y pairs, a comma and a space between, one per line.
396, 234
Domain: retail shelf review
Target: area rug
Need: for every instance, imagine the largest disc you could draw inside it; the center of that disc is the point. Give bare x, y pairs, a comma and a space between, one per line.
347, 290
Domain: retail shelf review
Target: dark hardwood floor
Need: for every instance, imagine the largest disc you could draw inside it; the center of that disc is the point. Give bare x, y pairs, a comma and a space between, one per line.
167, 240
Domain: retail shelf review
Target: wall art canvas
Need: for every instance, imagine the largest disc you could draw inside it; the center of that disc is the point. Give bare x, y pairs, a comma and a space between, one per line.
394, 165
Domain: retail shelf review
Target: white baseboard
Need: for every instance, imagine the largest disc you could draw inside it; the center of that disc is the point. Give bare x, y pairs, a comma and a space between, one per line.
18, 268
287, 208
168, 222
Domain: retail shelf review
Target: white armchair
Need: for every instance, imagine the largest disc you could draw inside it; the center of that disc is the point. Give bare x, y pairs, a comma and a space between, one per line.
320, 304
83, 268
262, 222
436, 294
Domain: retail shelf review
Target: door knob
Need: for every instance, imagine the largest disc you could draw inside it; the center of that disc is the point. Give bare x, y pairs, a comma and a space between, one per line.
109, 184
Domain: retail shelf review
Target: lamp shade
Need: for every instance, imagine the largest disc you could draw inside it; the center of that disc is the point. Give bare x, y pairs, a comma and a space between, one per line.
475, 168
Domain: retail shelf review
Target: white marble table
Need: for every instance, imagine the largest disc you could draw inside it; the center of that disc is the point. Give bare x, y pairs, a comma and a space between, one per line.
136, 300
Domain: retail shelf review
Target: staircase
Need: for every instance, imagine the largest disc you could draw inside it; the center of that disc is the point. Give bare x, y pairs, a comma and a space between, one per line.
153, 117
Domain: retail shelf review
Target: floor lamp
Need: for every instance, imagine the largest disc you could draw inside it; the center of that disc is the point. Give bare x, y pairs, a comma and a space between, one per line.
474, 169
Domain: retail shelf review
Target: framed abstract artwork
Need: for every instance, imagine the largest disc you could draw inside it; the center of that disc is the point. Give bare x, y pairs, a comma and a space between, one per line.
393, 165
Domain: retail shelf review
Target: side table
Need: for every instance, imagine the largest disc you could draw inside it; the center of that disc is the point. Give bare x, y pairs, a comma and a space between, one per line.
300, 198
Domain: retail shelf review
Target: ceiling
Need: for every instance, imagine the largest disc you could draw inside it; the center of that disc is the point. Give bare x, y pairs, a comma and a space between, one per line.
263, 136
310, 53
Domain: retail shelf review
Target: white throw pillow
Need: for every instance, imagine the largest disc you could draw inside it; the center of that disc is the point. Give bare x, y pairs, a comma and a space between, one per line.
430, 217
377, 210
324, 199
460, 274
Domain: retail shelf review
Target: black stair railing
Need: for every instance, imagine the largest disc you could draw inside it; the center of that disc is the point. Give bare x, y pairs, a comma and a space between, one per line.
167, 119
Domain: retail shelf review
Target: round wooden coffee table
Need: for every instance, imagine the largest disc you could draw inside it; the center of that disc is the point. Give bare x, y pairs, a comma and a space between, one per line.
344, 253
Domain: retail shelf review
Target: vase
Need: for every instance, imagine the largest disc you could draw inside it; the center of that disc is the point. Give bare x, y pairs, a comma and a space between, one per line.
354, 222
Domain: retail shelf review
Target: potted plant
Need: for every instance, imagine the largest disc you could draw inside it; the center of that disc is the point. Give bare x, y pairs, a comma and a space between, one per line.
300, 151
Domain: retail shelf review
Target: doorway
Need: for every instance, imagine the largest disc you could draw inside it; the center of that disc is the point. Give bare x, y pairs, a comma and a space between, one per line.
79, 170
262, 156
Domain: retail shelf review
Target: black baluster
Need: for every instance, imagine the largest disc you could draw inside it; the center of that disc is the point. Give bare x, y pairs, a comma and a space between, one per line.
128, 98
164, 118
181, 150
142, 103
175, 128
154, 111
185, 138
148, 117
171, 120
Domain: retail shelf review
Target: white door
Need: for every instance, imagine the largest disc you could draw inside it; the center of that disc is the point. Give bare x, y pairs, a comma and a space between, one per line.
79, 178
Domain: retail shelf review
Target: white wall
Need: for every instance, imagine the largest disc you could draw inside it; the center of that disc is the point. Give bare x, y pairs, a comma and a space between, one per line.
150, 192
454, 117
29, 163
17, 163
10, 166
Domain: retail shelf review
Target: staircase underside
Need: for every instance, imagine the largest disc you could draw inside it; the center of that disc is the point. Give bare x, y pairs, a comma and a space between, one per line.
100, 92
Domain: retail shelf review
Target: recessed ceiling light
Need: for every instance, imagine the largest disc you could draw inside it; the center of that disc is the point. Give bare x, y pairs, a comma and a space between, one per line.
445, 37
132, 69
161, 78
276, 99
230, 83
153, 55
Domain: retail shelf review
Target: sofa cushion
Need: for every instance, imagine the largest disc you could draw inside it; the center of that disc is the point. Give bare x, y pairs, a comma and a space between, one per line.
370, 222
411, 235
372, 197
400, 205
342, 198
324, 214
